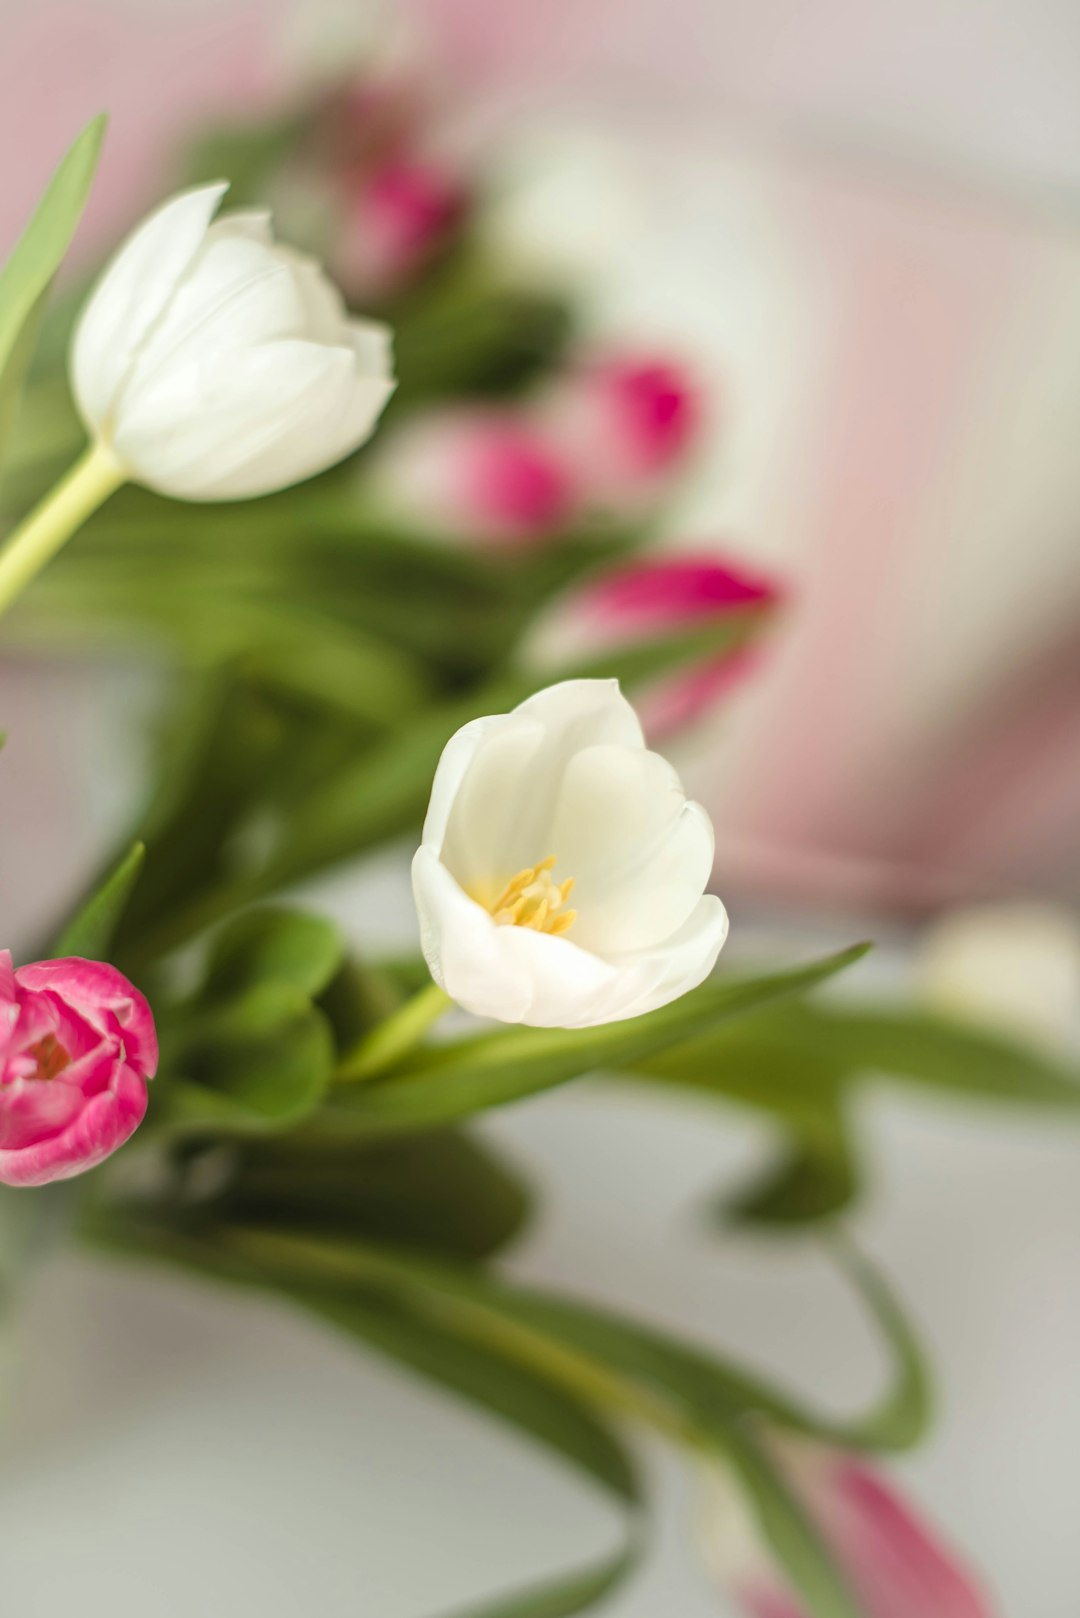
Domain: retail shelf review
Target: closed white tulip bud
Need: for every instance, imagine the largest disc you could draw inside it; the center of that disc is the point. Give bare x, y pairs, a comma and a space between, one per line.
561, 878
213, 363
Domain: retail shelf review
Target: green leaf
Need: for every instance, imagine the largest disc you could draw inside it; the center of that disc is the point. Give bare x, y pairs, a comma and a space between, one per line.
793, 1538
813, 1177
91, 931
701, 1390
262, 1063
454, 1081
445, 1352
935, 1051
27, 276
437, 1193
444, 1349
436, 1343
577, 1592
814, 1174
273, 945
249, 154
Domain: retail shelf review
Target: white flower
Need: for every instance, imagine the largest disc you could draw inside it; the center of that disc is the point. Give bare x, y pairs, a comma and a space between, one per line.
560, 880
214, 364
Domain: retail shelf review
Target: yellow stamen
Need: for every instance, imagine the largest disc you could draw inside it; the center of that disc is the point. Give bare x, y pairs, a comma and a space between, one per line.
532, 899
50, 1056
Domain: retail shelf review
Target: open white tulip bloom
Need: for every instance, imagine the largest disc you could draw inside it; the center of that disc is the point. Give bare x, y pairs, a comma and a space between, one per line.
212, 363
561, 877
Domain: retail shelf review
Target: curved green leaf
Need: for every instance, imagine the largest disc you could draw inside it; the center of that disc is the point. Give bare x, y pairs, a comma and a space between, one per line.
699, 1388
263, 1062
929, 1049
814, 1176
276, 945
441, 1193
454, 1081
27, 276
90, 932
439, 1345
794, 1539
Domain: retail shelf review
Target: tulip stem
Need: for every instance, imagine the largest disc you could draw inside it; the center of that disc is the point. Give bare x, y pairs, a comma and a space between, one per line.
88, 484
394, 1038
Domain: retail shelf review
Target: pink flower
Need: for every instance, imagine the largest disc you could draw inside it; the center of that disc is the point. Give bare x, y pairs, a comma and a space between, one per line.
481, 475
629, 422
76, 1050
398, 216
896, 1567
648, 599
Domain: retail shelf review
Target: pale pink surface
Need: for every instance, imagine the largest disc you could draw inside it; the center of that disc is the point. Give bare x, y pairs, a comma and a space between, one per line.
652, 597
159, 73
77, 1046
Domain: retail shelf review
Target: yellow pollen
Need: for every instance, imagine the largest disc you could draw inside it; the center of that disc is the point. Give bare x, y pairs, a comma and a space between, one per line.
50, 1056
532, 899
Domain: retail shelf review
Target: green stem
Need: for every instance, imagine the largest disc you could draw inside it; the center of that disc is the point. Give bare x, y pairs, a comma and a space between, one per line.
575, 1369
395, 1037
65, 508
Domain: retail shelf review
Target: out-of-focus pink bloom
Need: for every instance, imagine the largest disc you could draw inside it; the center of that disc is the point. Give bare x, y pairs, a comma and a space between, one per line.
896, 1567
397, 217
629, 423
484, 476
77, 1046
646, 600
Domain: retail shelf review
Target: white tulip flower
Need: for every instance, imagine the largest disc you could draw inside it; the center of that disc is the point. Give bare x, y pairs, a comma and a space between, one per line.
560, 880
212, 363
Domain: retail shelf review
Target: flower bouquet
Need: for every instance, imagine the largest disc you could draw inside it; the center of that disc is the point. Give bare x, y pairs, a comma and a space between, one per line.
383, 534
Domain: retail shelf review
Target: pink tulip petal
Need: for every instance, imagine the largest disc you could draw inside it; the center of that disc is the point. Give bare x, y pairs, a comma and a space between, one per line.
77, 1047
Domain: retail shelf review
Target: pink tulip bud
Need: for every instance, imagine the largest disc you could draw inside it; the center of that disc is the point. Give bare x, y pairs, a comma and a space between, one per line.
398, 215
645, 600
483, 476
76, 1050
629, 423
895, 1566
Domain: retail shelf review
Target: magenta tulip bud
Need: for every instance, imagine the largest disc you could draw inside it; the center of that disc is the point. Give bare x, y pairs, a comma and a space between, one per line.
629, 423
895, 1565
398, 217
76, 1050
481, 476
646, 600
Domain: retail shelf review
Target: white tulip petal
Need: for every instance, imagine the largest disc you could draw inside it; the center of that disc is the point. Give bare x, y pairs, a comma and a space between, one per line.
453, 766
463, 947
325, 319
568, 986
620, 828
583, 713
258, 421
255, 223
238, 296
564, 777
216, 364
615, 803
507, 973
481, 845
373, 345
678, 964
132, 295
573, 715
